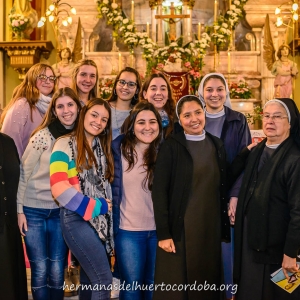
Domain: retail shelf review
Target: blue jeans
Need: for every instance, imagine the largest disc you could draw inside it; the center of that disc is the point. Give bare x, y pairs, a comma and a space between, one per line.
46, 251
136, 254
85, 244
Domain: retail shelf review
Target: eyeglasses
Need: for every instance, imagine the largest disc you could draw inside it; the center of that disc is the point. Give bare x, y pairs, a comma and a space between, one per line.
44, 78
130, 84
274, 118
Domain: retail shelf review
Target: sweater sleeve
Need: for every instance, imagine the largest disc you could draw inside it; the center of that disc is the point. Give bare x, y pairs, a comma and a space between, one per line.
63, 180
15, 121
30, 158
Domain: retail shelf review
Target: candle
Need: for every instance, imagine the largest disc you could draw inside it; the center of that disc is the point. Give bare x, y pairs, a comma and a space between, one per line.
148, 31
114, 1
120, 62
229, 66
215, 11
132, 10
199, 31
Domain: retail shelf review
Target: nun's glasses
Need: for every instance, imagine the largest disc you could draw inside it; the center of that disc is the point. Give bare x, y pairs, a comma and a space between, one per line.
275, 118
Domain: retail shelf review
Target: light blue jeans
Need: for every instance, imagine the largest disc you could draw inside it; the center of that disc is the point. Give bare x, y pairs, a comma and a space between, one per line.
85, 244
136, 254
46, 251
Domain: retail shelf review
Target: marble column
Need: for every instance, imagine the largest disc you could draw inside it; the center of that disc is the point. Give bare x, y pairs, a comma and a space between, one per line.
153, 23
160, 41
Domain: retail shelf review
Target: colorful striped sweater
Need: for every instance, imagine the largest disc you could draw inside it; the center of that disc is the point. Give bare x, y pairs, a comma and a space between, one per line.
65, 186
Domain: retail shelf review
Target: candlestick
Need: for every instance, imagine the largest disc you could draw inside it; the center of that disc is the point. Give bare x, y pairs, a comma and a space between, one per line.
229, 64
120, 61
114, 1
148, 31
215, 11
132, 10
199, 31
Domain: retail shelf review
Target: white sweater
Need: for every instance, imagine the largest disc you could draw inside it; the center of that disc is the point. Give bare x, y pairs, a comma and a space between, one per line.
34, 185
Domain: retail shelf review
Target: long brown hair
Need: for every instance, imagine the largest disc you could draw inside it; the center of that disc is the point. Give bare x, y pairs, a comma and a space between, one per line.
27, 88
130, 140
114, 95
170, 104
83, 148
84, 62
50, 116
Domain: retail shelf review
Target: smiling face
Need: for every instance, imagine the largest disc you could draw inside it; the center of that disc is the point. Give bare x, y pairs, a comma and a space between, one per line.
45, 87
192, 118
146, 128
284, 51
214, 94
157, 93
66, 111
95, 121
276, 132
125, 93
85, 80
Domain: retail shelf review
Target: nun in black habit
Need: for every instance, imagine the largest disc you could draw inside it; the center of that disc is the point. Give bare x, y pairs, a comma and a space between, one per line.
267, 226
13, 282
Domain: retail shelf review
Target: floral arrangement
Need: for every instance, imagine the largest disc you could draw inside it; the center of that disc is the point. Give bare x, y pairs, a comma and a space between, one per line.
257, 115
155, 57
18, 22
106, 87
227, 22
240, 90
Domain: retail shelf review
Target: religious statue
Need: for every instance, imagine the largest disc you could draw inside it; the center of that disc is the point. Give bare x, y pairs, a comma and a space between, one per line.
63, 69
284, 69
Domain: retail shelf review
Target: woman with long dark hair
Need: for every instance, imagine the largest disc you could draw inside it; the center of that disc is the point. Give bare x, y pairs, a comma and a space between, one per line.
81, 169
157, 90
134, 227
38, 214
124, 96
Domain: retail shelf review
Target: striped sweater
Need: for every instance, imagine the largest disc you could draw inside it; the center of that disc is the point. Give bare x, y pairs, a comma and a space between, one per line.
65, 183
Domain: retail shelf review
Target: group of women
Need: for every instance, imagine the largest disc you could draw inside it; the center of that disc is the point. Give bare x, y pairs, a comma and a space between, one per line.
156, 184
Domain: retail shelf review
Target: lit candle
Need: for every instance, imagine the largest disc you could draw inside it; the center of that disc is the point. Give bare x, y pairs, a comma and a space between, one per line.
199, 31
114, 1
132, 10
229, 65
215, 11
148, 31
120, 62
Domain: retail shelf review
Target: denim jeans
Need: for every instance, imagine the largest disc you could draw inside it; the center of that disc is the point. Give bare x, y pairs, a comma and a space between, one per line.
46, 251
136, 253
90, 251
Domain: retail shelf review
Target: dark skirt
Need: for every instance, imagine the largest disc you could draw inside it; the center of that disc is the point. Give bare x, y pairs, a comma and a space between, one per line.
255, 280
13, 281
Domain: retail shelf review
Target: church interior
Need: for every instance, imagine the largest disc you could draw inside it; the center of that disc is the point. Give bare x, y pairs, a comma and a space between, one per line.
185, 39
239, 51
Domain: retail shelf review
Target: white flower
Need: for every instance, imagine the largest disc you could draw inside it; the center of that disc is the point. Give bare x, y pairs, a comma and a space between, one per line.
114, 5
125, 21
224, 25
188, 51
122, 28
129, 27
232, 7
236, 2
174, 44
105, 1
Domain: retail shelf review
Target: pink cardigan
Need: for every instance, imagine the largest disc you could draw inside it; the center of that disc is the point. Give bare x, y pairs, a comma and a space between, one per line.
18, 124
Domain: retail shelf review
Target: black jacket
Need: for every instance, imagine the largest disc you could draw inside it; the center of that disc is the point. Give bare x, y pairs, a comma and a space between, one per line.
172, 186
271, 201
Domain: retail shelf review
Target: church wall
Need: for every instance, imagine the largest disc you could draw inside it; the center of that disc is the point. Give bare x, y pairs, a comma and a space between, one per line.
10, 76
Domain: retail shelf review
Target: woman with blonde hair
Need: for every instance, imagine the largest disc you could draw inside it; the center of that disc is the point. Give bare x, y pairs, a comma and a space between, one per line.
84, 80
29, 103
38, 214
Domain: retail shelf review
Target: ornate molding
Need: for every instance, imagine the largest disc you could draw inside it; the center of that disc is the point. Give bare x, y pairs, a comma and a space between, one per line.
24, 55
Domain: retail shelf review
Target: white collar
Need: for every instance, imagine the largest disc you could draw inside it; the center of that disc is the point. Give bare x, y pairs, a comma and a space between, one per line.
215, 115
275, 146
195, 138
